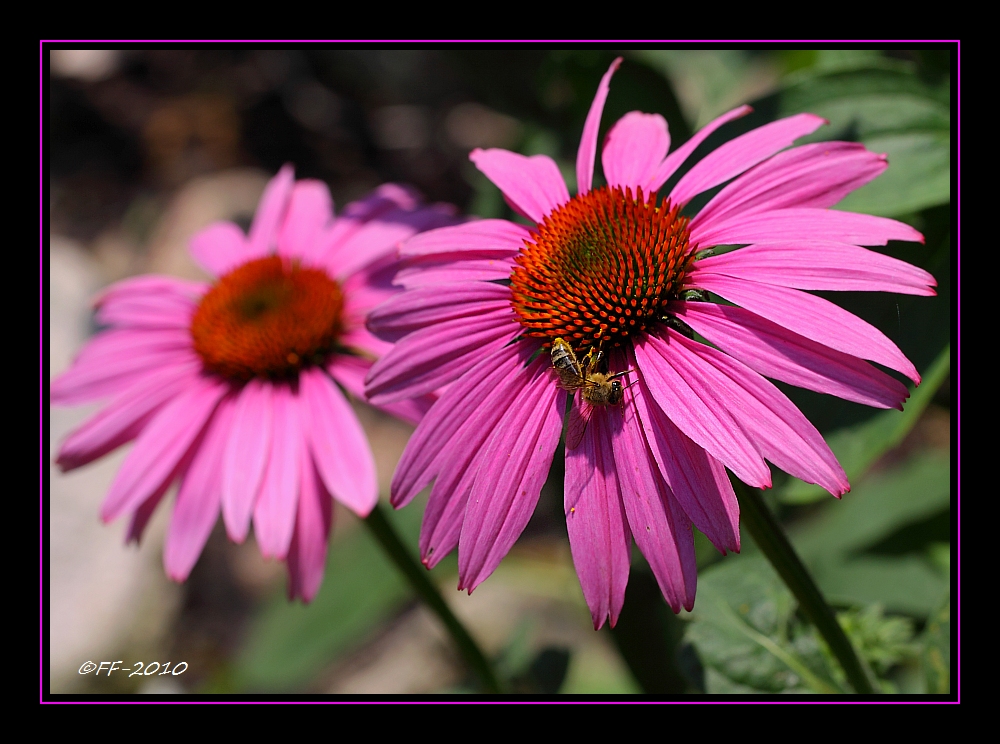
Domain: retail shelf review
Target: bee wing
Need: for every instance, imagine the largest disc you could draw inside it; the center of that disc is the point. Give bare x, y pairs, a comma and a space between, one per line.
579, 416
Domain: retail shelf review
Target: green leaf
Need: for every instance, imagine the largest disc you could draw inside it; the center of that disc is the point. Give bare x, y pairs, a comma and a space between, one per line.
746, 636
289, 643
833, 546
858, 447
891, 111
936, 656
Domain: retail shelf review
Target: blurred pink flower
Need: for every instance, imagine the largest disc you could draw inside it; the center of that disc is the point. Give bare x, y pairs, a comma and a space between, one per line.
615, 269
230, 388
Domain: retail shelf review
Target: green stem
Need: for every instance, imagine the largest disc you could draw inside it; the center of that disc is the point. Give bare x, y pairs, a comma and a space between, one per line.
421, 583
771, 539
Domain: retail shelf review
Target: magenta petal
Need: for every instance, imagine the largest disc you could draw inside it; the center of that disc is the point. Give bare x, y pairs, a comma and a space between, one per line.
676, 159
161, 446
533, 186
221, 247
310, 210
245, 457
126, 416
271, 212
338, 443
817, 175
514, 465
117, 359
453, 272
350, 372
477, 239
464, 453
820, 264
809, 316
776, 427
198, 499
696, 479
431, 357
410, 311
274, 512
687, 398
662, 533
435, 440
587, 152
804, 224
742, 153
149, 302
634, 150
778, 353
599, 537
381, 237
307, 554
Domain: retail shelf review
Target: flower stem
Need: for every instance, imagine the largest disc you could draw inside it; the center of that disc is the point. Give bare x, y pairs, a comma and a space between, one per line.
771, 539
421, 583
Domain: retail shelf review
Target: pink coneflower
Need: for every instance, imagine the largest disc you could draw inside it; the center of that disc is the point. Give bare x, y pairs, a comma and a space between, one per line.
231, 388
619, 271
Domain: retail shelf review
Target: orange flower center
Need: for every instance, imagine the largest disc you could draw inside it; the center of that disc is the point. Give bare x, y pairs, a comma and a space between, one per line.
268, 318
601, 268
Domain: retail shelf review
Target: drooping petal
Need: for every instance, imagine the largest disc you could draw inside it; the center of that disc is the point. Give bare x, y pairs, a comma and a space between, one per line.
533, 186
199, 497
350, 372
339, 446
695, 479
436, 355
476, 239
245, 456
810, 316
360, 340
465, 453
741, 153
663, 533
587, 151
820, 264
274, 512
686, 397
676, 159
817, 175
776, 427
271, 212
410, 311
149, 302
435, 438
161, 446
114, 360
126, 416
310, 209
804, 224
776, 352
221, 247
307, 554
514, 465
634, 150
599, 536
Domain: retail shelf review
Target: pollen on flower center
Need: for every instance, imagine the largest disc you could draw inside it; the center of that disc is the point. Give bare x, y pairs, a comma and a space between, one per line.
601, 268
267, 318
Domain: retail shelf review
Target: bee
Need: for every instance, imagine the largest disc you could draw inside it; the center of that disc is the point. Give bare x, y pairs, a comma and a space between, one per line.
596, 388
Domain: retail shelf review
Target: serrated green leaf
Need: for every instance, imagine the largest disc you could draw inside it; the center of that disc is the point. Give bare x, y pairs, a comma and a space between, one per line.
288, 643
858, 447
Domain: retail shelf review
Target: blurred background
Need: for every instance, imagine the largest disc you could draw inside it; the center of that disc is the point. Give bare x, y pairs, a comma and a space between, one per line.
146, 147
